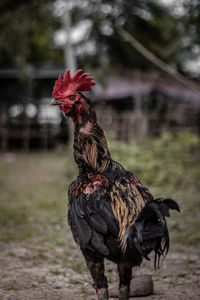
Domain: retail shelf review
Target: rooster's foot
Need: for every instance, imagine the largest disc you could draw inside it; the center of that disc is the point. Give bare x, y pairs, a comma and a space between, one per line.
102, 294
123, 293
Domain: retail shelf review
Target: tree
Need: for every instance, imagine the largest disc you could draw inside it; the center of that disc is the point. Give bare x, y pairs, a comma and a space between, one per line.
191, 38
26, 33
28, 29
149, 21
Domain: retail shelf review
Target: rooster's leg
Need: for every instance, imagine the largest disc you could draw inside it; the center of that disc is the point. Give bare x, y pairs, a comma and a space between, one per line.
124, 281
96, 266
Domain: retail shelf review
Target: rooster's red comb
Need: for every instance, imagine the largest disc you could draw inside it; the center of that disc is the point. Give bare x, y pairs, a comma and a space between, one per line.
79, 82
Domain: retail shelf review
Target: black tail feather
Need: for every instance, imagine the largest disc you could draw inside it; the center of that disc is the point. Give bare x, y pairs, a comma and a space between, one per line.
150, 231
171, 204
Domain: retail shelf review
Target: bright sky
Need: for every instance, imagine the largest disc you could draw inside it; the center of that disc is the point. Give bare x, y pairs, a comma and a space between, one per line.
167, 1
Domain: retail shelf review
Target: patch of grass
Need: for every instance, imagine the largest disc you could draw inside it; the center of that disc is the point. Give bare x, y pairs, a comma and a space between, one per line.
10, 234
33, 196
53, 261
56, 272
170, 167
168, 161
12, 287
79, 266
109, 276
83, 290
12, 254
43, 279
33, 199
188, 238
74, 281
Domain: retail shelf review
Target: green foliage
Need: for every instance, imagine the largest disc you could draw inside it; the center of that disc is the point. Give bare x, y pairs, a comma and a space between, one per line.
153, 23
26, 34
79, 266
28, 27
161, 162
33, 204
169, 166
34, 196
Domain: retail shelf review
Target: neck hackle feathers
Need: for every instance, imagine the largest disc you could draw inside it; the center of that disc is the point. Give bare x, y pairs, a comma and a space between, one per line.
78, 82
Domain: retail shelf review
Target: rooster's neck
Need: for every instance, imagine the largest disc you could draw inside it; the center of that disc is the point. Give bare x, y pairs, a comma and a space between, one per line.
90, 145
87, 115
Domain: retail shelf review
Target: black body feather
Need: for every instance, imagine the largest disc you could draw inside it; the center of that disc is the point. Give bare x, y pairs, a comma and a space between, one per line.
150, 230
95, 226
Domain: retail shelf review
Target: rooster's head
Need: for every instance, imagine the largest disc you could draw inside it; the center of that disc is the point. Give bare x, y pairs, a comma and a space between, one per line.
66, 92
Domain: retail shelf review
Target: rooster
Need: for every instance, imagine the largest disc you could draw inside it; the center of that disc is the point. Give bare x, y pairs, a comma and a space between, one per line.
111, 213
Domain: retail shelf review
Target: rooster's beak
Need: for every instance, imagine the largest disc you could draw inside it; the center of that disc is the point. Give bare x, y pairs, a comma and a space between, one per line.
54, 102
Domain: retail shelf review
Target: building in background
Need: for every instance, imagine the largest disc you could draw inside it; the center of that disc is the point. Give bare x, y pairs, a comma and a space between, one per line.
131, 106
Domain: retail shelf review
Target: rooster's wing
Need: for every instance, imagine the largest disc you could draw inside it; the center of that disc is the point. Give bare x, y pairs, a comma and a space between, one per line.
99, 207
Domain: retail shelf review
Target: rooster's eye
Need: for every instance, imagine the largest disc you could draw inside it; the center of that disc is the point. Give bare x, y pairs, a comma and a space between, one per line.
72, 97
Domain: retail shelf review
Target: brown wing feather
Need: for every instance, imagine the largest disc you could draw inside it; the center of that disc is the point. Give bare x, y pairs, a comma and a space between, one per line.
126, 200
127, 203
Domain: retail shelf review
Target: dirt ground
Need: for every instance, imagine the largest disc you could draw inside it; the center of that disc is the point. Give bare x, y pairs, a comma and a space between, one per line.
29, 273
38, 257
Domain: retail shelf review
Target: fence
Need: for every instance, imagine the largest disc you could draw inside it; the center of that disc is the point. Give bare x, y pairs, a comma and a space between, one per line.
129, 125
26, 134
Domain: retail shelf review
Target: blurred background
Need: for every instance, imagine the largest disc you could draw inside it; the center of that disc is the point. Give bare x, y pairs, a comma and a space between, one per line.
134, 98
147, 99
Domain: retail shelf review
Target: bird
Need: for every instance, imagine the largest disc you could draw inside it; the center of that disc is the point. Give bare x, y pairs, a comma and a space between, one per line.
112, 215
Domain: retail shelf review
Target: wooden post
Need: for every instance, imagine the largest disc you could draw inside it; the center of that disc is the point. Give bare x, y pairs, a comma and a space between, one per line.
70, 60
3, 127
26, 134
